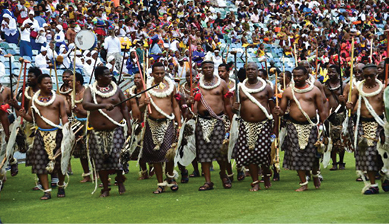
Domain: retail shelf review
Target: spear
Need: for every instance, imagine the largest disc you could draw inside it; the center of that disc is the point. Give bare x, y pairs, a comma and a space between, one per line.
371, 50
24, 85
295, 54
141, 77
387, 56
121, 66
20, 73
10, 72
74, 76
190, 70
55, 69
351, 74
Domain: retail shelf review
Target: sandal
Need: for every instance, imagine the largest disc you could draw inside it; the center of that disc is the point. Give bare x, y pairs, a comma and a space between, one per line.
172, 183
342, 166
104, 193
206, 187
46, 195
385, 185
159, 190
195, 174
253, 185
372, 190
120, 184
241, 175
231, 177
226, 181
184, 177
61, 191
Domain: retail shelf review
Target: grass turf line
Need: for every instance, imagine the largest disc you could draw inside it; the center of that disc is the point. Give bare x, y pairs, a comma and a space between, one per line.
338, 200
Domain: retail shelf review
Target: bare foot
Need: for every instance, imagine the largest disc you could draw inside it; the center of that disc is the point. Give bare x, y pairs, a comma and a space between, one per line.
104, 193
255, 186
302, 188
86, 179
316, 182
267, 181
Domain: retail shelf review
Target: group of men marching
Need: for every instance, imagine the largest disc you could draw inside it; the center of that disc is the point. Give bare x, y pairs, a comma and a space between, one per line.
207, 118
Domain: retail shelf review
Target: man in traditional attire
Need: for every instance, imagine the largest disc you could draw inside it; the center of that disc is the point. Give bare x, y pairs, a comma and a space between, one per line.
4, 136
182, 97
137, 107
224, 73
253, 146
47, 110
367, 97
333, 89
106, 134
212, 105
80, 115
160, 133
304, 99
25, 139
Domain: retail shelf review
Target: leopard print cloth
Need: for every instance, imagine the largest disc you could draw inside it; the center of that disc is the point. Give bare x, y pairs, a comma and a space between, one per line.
303, 132
158, 130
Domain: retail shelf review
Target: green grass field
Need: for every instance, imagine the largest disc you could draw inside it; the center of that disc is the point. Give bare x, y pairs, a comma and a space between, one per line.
338, 200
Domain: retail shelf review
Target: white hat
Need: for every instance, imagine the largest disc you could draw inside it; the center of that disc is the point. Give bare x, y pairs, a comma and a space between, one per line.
31, 12
93, 52
110, 58
86, 52
5, 15
78, 53
59, 27
61, 49
43, 48
45, 24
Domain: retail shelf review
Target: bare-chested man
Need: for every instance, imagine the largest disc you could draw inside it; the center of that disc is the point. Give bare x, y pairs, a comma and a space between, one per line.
348, 139
47, 110
224, 73
300, 152
160, 132
367, 97
333, 89
4, 136
137, 107
80, 114
253, 147
311, 79
212, 106
5, 93
29, 128
381, 71
67, 88
106, 127
183, 97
